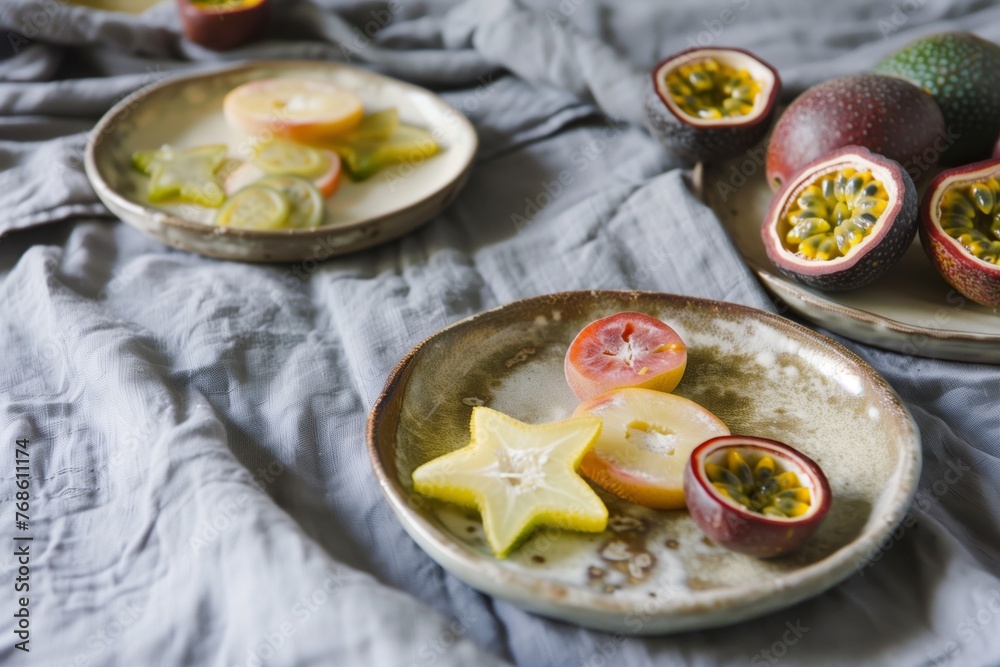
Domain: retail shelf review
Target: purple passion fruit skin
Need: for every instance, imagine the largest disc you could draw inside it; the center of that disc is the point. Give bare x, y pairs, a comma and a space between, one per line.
886, 115
960, 229
221, 25
707, 104
854, 227
759, 521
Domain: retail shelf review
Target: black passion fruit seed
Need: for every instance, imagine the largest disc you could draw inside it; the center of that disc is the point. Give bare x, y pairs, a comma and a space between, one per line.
761, 486
834, 214
971, 214
709, 89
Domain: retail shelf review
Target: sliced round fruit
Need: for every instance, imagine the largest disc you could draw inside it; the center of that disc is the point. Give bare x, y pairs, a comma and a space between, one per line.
327, 182
962, 72
645, 441
288, 157
624, 350
305, 203
886, 115
755, 496
960, 229
307, 110
254, 207
842, 221
711, 103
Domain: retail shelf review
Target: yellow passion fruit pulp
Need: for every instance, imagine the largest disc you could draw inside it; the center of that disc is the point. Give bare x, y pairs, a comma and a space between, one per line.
834, 214
709, 89
761, 486
971, 214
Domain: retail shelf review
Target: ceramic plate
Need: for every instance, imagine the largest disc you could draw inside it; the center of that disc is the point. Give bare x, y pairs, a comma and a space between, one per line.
651, 572
910, 309
186, 111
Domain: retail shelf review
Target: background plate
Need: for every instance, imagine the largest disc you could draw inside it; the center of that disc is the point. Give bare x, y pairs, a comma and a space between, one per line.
910, 309
186, 111
651, 572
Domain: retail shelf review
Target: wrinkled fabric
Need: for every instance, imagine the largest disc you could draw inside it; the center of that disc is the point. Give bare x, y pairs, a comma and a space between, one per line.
200, 487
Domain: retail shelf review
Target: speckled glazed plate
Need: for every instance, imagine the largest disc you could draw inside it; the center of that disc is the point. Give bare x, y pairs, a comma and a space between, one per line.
186, 111
910, 309
651, 572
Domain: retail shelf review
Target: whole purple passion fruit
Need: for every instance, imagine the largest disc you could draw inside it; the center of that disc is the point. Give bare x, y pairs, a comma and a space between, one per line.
756, 496
711, 103
960, 229
844, 219
223, 24
883, 114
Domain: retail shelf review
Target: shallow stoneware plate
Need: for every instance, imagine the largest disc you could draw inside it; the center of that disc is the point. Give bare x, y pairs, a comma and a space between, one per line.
650, 572
910, 309
186, 111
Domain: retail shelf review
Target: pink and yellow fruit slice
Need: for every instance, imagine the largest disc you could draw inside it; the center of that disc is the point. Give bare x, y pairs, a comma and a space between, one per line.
306, 110
646, 439
625, 350
519, 476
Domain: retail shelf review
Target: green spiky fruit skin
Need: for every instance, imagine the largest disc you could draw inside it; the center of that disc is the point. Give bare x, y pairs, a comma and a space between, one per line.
962, 72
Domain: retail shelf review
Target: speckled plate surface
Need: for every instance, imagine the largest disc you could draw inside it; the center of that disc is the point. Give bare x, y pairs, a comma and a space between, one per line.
651, 572
186, 111
910, 309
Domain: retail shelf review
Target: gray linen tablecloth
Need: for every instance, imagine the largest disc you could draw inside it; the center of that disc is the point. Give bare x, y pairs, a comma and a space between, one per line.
201, 493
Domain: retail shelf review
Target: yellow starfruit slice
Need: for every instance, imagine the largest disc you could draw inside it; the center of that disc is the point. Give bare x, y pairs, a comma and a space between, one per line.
365, 157
519, 476
183, 176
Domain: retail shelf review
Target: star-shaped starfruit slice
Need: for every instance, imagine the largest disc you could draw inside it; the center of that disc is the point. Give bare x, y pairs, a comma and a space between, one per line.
519, 476
183, 176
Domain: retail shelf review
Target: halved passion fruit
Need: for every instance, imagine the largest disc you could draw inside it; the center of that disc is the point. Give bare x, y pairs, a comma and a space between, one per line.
755, 496
960, 229
842, 221
711, 103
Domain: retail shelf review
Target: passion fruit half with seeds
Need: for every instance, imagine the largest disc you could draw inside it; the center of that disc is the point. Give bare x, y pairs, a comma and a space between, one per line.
756, 496
886, 115
842, 221
709, 104
960, 229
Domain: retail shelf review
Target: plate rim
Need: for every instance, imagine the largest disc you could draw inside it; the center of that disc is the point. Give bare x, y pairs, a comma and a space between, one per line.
742, 602
864, 316
104, 127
